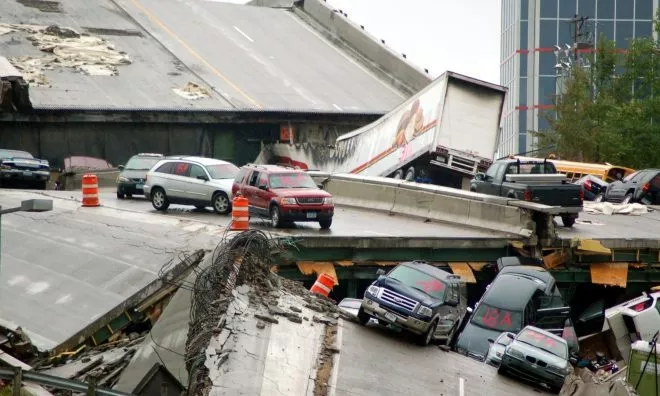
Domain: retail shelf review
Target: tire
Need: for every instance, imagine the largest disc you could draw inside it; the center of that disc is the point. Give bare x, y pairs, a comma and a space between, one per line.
501, 370
42, 185
568, 221
627, 199
599, 198
363, 317
275, 219
220, 203
129, 196
325, 223
398, 174
410, 174
159, 200
426, 338
120, 195
200, 207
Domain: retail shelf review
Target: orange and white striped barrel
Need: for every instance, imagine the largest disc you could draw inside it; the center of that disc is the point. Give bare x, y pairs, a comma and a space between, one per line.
90, 190
240, 217
323, 285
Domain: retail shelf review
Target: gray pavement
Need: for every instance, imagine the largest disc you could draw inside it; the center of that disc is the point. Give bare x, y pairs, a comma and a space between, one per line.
61, 270
376, 361
617, 226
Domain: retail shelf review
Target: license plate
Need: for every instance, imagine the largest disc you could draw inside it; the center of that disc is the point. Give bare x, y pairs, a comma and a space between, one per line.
27, 173
139, 186
390, 317
311, 215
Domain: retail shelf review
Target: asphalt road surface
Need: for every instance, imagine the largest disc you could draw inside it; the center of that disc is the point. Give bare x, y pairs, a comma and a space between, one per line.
377, 361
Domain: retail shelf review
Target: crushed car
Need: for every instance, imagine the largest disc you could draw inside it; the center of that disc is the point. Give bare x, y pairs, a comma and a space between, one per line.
419, 298
497, 347
21, 168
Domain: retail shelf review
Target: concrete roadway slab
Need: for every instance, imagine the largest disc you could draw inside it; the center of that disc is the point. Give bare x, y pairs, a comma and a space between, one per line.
376, 361
62, 269
619, 227
346, 222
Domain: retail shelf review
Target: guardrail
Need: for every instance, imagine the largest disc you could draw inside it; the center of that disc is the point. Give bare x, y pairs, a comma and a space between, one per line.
437, 203
18, 376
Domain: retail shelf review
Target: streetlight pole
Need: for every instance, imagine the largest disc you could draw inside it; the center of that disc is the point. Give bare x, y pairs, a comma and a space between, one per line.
28, 205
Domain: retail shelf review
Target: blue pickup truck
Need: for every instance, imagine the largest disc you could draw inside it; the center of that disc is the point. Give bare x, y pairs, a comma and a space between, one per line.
20, 167
419, 298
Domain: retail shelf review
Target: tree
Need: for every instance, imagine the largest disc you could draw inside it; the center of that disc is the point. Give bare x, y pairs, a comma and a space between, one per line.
610, 112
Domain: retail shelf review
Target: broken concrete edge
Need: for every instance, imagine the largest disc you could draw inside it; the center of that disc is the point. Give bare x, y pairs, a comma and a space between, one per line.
327, 360
175, 273
323, 242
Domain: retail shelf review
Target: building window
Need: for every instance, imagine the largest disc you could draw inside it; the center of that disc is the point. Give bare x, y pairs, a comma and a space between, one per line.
547, 62
588, 8
565, 34
522, 132
546, 90
522, 97
643, 29
605, 9
524, 9
644, 9
567, 9
548, 9
523, 64
625, 9
606, 28
548, 33
624, 32
523, 35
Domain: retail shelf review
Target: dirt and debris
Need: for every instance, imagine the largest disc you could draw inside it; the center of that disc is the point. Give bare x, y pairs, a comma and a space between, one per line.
113, 32
325, 363
65, 48
42, 5
192, 91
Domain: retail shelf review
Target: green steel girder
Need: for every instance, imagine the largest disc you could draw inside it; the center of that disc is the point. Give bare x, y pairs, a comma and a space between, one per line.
382, 254
115, 325
620, 256
580, 275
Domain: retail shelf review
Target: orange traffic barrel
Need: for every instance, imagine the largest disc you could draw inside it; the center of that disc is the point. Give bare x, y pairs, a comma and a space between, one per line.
240, 218
90, 190
323, 285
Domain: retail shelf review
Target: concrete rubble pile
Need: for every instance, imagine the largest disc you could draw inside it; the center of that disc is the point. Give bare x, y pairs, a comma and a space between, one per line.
583, 382
65, 48
248, 320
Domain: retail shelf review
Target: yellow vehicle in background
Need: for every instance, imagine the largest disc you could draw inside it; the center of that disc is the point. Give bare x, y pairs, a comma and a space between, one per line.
576, 170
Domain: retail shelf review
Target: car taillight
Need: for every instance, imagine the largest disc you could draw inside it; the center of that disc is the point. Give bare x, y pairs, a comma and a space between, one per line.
581, 195
528, 195
646, 187
587, 184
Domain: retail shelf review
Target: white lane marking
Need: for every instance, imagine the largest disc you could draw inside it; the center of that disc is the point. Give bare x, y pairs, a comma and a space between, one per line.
334, 374
461, 386
337, 107
243, 33
377, 233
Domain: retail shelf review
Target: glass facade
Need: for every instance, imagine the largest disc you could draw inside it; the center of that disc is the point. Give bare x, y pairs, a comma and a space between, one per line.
530, 30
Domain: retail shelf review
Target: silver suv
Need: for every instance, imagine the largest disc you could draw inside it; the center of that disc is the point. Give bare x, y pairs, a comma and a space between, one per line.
188, 180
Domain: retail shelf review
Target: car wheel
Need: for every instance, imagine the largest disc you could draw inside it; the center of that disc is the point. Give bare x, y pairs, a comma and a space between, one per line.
275, 219
129, 196
200, 207
627, 199
42, 185
363, 317
410, 174
325, 223
501, 370
398, 174
568, 221
221, 203
159, 199
426, 338
599, 198
120, 195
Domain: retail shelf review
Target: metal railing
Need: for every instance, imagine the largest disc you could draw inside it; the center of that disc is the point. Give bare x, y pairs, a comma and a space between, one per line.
17, 375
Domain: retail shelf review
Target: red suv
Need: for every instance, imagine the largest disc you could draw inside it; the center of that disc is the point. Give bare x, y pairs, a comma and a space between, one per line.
283, 195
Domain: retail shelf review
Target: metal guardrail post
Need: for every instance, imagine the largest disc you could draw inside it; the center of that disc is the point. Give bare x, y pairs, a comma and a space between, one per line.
18, 381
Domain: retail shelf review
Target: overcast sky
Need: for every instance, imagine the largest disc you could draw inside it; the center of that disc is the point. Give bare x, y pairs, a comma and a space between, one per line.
458, 35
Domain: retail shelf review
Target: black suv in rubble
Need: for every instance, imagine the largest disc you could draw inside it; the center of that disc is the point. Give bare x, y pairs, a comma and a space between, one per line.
419, 298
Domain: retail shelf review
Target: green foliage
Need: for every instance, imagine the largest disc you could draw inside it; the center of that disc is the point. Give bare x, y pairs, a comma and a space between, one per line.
610, 112
8, 391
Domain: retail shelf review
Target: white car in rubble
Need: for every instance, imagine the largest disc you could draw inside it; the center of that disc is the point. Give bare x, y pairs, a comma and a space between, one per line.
188, 180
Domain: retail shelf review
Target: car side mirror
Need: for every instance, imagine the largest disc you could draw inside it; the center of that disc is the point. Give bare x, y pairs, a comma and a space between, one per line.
452, 303
469, 310
491, 340
380, 271
511, 336
202, 177
263, 187
479, 176
120, 167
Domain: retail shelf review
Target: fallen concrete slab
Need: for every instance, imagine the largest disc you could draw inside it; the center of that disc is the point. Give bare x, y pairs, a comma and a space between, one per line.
64, 269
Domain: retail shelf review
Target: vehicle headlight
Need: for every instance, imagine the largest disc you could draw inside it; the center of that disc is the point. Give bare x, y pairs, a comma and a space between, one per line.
327, 201
288, 201
425, 311
122, 179
373, 290
515, 353
559, 370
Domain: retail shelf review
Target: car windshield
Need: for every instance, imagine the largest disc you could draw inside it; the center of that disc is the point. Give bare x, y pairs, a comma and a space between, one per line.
291, 180
141, 163
419, 280
14, 154
498, 319
503, 339
544, 342
222, 171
